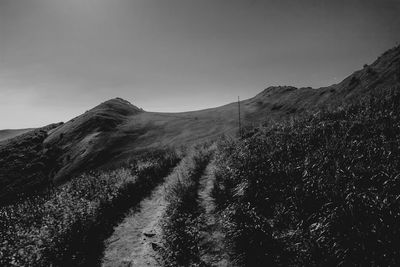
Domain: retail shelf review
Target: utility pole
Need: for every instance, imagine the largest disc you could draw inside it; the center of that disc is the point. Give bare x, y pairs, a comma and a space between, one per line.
240, 127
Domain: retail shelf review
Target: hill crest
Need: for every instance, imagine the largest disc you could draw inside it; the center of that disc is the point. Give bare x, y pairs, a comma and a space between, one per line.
115, 130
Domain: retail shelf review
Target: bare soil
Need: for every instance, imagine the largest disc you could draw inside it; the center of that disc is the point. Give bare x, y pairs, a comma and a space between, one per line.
136, 239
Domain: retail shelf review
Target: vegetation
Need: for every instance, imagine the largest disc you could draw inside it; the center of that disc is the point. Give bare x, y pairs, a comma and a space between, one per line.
25, 164
67, 225
321, 190
181, 220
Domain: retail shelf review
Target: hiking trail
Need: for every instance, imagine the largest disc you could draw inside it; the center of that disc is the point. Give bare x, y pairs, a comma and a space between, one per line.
136, 239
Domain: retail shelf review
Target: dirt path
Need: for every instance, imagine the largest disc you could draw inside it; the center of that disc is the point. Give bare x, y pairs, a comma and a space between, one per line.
135, 240
214, 253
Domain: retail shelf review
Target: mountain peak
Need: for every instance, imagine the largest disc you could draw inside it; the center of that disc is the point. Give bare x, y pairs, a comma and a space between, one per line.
276, 90
119, 106
118, 100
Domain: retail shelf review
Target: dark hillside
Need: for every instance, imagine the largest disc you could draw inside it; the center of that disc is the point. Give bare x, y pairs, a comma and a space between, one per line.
10, 133
26, 163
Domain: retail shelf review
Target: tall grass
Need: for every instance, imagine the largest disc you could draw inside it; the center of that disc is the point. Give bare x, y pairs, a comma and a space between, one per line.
66, 227
323, 190
180, 223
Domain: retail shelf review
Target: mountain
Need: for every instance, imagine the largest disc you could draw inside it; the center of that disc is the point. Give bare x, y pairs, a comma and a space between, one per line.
116, 130
89, 140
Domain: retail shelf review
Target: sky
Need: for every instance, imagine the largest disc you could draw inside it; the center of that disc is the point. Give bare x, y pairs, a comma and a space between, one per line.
59, 58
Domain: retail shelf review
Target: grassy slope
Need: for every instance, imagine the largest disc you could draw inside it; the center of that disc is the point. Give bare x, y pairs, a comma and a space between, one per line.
11, 133
87, 141
323, 190
151, 129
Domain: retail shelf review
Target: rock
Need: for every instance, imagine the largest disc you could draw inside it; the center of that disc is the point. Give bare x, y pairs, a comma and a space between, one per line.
149, 234
126, 263
156, 246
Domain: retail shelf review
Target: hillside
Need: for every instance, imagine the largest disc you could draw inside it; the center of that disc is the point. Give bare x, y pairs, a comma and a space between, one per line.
115, 130
26, 163
274, 103
10, 133
322, 190
88, 140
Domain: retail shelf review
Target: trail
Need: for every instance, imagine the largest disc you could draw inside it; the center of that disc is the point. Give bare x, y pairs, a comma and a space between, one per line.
212, 246
135, 240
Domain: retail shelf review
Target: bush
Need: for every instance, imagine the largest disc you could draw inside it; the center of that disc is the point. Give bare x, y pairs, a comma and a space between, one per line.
323, 190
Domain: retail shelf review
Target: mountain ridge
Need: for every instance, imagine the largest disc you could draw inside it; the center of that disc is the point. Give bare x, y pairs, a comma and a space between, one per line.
115, 130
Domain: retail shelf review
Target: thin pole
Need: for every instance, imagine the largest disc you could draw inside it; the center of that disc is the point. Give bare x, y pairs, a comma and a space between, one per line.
240, 127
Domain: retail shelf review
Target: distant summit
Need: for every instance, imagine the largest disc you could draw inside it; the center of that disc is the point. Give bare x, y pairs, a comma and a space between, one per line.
86, 139
118, 105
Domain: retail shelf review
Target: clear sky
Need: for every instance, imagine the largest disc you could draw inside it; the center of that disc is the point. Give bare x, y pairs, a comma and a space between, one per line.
59, 58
